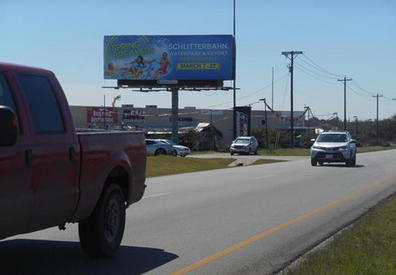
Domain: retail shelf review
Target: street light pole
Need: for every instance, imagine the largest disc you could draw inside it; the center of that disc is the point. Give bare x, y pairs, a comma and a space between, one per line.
266, 122
234, 81
272, 99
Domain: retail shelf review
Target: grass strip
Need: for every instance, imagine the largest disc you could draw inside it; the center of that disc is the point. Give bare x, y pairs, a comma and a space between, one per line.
374, 149
285, 152
369, 247
169, 165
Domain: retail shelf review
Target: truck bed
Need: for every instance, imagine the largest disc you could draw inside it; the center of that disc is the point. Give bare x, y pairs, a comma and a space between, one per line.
122, 150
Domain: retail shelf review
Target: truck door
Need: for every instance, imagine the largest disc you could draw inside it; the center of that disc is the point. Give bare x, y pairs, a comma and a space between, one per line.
55, 165
15, 171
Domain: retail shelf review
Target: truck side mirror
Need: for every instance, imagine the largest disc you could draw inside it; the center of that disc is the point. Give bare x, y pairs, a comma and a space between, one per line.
8, 127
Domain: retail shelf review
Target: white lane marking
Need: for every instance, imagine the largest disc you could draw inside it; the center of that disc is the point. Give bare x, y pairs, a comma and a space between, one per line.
264, 177
156, 195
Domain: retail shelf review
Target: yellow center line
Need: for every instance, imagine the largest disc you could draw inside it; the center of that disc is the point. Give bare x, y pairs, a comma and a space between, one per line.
278, 228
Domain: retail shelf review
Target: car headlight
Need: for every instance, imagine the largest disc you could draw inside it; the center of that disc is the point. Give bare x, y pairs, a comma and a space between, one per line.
343, 148
318, 148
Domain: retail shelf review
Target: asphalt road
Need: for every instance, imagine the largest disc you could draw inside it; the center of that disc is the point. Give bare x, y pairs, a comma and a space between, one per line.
244, 220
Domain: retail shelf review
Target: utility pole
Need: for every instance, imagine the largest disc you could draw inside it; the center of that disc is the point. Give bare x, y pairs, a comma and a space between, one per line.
293, 55
377, 96
234, 81
345, 80
266, 121
272, 99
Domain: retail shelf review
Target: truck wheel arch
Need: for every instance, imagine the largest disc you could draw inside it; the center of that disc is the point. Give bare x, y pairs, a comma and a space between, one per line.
119, 175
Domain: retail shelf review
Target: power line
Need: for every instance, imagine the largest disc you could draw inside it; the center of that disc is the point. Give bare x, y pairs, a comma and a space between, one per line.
330, 77
360, 88
358, 93
243, 97
321, 68
261, 89
303, 70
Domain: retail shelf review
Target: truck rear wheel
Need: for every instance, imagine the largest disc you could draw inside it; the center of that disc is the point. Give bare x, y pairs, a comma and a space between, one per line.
101, 234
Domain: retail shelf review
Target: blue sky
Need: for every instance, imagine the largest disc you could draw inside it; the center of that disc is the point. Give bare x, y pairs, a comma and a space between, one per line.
345, 37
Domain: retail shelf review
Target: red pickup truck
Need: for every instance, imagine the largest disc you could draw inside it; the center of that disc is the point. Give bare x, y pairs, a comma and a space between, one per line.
51, 175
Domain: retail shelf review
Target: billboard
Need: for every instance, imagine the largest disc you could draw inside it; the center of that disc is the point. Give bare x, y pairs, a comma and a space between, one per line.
243, 121
169, 58
133, 117
100, 114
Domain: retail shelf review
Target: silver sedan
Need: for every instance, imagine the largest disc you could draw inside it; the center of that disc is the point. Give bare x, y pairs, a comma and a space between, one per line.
156, 148
180, 149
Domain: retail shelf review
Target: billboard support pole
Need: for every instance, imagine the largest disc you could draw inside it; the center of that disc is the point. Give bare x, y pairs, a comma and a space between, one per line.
104, 112
175, 115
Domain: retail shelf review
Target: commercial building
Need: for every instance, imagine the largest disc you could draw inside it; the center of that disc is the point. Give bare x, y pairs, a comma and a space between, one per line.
153, 119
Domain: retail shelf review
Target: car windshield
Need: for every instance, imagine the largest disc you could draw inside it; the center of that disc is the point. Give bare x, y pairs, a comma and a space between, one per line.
333, 138
167, 141
242, 141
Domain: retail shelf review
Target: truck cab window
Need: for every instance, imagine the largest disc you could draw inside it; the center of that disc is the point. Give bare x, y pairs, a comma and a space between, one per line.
44, 108
5, 94
6, 97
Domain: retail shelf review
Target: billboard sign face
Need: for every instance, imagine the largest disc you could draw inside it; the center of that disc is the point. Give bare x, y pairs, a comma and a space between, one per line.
133, 117
169, 58
242, 124
99, 114
243, 121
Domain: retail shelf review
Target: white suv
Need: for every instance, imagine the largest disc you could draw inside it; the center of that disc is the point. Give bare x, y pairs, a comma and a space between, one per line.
334, 147
244, 145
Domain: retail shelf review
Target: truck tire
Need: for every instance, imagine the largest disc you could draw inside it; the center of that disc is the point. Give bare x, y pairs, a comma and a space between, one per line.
101, 233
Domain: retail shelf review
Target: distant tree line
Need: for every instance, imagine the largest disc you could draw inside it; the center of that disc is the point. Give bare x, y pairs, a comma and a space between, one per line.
364, 131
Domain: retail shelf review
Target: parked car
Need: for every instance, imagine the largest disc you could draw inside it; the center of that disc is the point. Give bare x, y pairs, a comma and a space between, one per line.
244, 145
155, 148
51, 175
334, 147
180, 149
